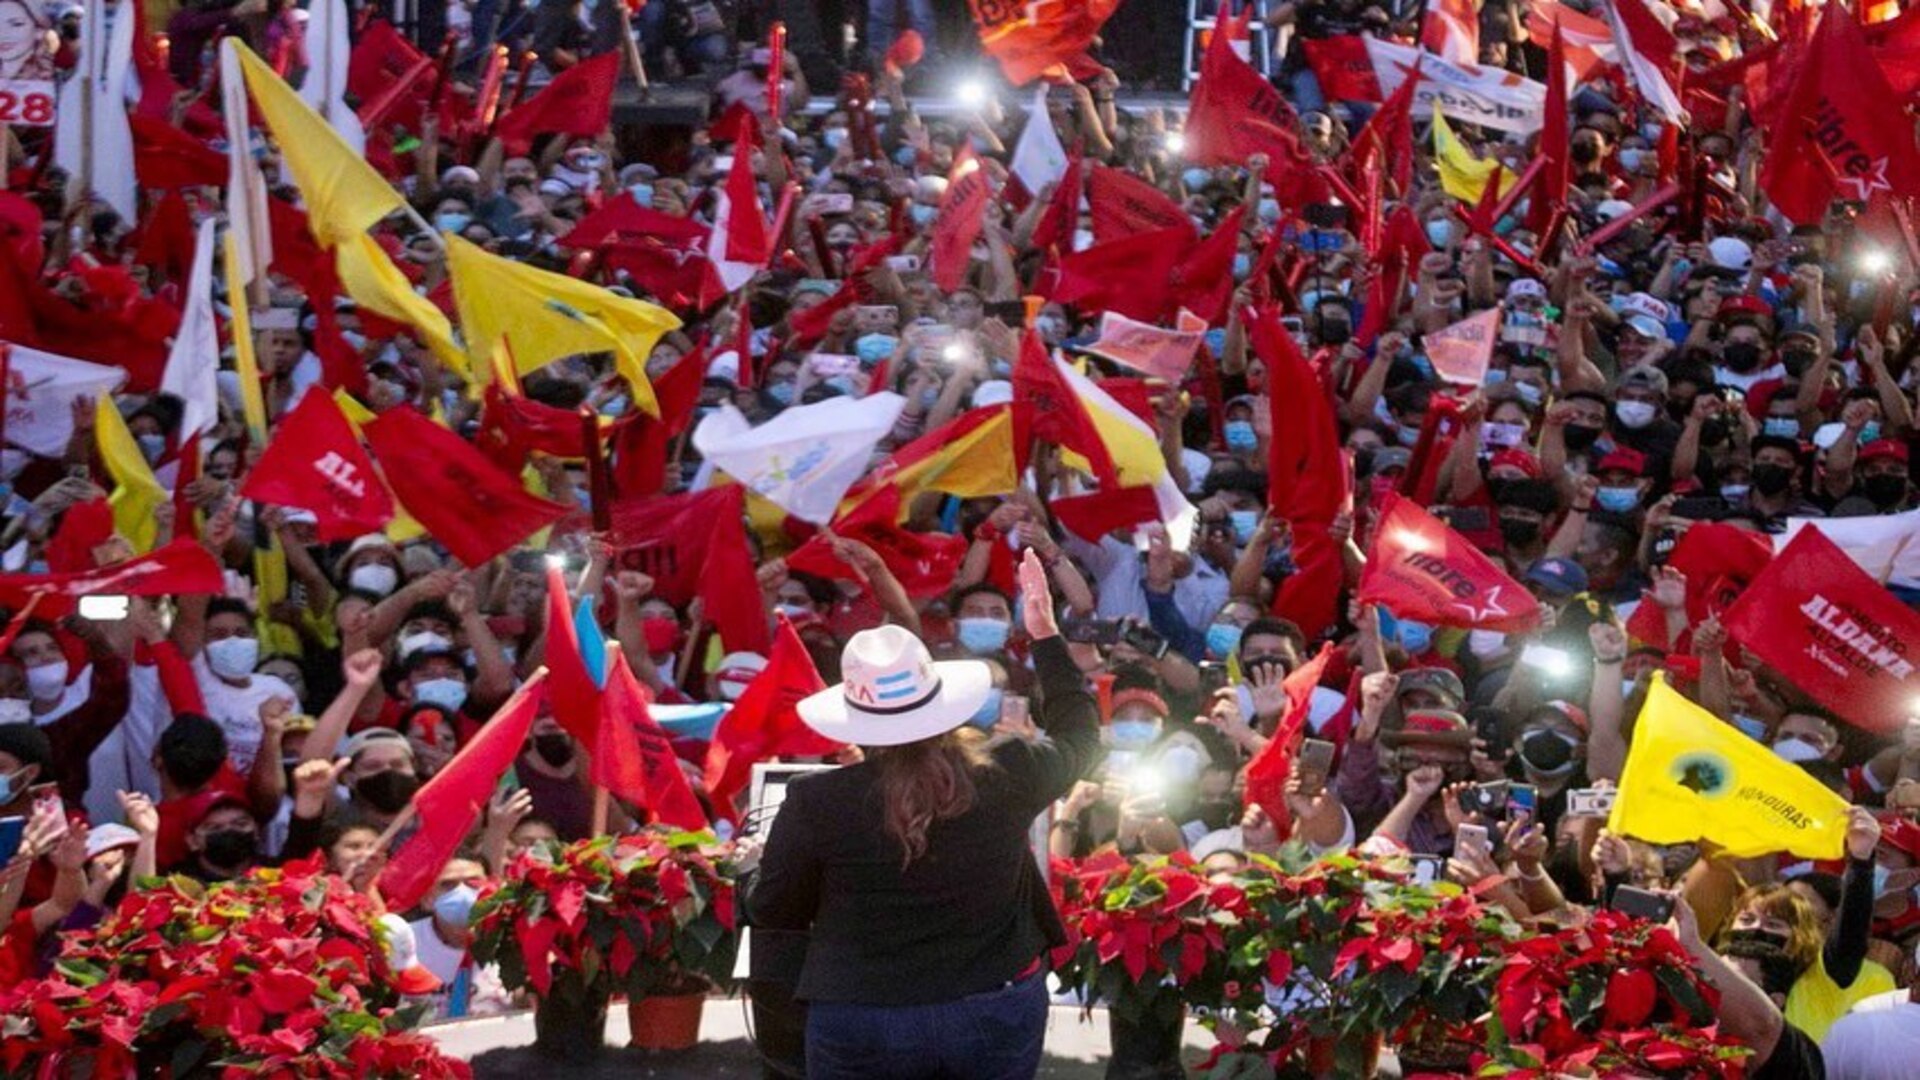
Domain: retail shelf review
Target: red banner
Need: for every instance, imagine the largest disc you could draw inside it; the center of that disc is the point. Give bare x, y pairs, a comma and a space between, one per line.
181, 567
1819, 620
1420, 569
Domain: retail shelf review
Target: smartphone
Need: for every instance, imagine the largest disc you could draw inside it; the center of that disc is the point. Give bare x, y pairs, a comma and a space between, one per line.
12, 829
1700, 507
1473, 836
903, 264
48, 795
1428, 869
1326, 215
723, 163
1523, 798
1316, 764
1213, 677
827, 365
1015, 709
1553, 663
103, 608
1489, 800
1102, 632
876, 317
1590, 802
1641, 904
1144, 639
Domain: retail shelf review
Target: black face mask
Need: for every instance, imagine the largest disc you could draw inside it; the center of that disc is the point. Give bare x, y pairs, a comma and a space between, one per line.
388, 792
1519, 532
1585, 153
1580, 437
1886, 489
230, 849
1715, 431
1797, 361
1771, 479
1336, 331
554, 747
1740, 356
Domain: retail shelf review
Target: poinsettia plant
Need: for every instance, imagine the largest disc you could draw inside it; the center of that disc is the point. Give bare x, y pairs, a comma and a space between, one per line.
282, 973
1615, 996
649, 913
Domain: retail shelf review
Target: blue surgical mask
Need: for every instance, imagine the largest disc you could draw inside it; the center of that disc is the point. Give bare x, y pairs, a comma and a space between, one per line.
873, 348
1529, 393
989, 711
1222, 639
1439, 232
923, 214
1244, 522
1751, 726
1415, 637
642, 193
1242, 266
1195, 178
840, 383
1216, 340
834, 137
9, 787
929, 397
1617, 500
447, 694
905, 156
1631, 157
781, 392
1781, 427
1132, 734
452, 221
456, 905
981, 636
1240, 435
1869, 432
152, 446
615, 406
1269, 210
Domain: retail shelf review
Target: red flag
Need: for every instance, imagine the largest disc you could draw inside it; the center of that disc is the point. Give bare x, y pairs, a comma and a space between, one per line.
925, 563
578, 102
1308, 476
962, 212
1344, 68
678, 278
166, 157
1385, 146
1091, 517
621, 217
1124, 204
1128, 275
83, 527
906, 51
1720, 562
1451, 31
512, 427
1551, 189
1837, 138
576, 697
1030, 38
167, 238
466, 503
812, 324
1202, 281
1421, 569
764, 722
448, 805
181, 567
634, 756
1267, 773
1057, 222
738, 124
696, 545
1832, 631
1046, 406
1234, 113
640, 448
314, 463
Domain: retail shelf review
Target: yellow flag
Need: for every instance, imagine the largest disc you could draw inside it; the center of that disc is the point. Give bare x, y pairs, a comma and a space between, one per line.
343, 194
370, 277
973, 463
1689, 776
272, 583
136, 494
544, 316
1462, 175
252, 402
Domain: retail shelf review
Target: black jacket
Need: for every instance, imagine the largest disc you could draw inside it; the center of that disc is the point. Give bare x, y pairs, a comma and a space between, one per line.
969, 915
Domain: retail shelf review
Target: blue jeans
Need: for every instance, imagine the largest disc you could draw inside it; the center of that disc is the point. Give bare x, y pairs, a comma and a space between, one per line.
994, 1035
883, 22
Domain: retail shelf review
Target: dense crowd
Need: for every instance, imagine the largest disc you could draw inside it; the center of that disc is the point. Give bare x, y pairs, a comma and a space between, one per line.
1650, 417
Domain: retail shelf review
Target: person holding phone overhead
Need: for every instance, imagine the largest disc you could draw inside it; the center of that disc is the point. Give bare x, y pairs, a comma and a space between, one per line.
929, 919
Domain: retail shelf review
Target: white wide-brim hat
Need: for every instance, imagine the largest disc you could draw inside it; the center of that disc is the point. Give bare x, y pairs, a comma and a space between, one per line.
894, 693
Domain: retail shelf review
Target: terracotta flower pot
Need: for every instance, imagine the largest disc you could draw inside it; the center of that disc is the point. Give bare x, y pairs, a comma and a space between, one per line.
570, 1021
670, 1022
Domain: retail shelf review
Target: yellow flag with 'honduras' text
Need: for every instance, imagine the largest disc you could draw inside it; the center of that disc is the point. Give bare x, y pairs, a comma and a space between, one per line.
1690, 776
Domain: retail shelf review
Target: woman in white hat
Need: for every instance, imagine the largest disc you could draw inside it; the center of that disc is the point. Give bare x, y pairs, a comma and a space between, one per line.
929, 921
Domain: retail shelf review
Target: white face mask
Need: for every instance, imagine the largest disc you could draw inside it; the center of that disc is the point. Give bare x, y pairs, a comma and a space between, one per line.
234, 657
46, 681
1635, 414
1796, 750
1486, 644
376, 578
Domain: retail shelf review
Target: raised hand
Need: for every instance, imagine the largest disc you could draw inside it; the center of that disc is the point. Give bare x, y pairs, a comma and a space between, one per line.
1036, 598
362, 669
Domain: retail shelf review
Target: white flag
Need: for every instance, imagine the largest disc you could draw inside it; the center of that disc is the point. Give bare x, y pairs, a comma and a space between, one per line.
246, 189
193, 363
1038, 158
92, 138
324, 87
41, 390
804, 459
1886, 546
1636, 31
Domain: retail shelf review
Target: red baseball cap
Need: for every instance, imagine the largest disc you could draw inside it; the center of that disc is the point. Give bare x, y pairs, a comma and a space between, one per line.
1518, 459
1624, 459
1888, 449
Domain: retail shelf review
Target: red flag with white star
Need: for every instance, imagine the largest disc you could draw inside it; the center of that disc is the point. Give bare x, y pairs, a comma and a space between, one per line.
1421, 569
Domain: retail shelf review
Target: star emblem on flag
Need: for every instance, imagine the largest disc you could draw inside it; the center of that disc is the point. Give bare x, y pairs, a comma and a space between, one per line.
1492, 607
1864, 186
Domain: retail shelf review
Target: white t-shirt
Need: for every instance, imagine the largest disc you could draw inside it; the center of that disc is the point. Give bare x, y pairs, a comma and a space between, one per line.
237, 708
1879, 1038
